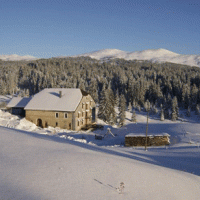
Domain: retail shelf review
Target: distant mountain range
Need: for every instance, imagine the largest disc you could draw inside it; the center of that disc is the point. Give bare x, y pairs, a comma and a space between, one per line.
154, 55
15, 57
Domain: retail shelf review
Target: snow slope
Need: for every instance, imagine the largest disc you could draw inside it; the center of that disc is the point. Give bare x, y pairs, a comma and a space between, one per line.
45, 167
55, 163
154, 55
15, 57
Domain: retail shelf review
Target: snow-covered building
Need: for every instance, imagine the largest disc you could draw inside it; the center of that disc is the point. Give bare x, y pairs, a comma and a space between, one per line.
17, 104
66, 108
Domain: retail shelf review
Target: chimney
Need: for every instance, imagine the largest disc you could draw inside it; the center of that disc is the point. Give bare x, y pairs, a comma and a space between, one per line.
60, 94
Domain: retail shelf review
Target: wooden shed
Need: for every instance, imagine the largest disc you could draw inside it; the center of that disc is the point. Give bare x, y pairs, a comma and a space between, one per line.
133, 139
17, 104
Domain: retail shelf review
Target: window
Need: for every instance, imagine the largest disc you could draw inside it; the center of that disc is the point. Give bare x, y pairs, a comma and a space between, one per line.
86, 106
56, 123
82, 114
65, 115
78, 123
82, 105
56, 115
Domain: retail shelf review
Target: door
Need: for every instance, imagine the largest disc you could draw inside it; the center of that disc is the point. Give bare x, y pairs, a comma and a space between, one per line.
70, 126
93, 115
39, 123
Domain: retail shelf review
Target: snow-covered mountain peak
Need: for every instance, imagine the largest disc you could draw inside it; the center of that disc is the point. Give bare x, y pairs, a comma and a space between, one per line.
158, 52
154, 55
15, 57
104, 53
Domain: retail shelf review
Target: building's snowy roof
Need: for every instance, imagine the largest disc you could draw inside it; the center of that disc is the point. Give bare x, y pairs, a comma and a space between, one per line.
148, 135
18, 102
49, 99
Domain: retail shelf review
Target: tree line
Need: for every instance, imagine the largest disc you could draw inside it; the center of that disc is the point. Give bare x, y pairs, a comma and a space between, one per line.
166, 86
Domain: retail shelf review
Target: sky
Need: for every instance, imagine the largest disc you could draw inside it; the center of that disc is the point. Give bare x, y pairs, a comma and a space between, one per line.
50, 28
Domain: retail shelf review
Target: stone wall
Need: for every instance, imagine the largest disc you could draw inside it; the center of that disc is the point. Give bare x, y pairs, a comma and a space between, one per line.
48, 118
151, 140
74, 121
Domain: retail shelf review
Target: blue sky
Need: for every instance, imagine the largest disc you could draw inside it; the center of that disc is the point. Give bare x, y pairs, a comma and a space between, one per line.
49, 28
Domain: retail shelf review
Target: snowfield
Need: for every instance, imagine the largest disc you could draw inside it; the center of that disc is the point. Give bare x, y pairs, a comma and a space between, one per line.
55, 163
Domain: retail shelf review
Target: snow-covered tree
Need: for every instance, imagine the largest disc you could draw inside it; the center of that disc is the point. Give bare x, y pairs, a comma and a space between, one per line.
175, 109
102, 105
122, 109
106, 106
188, 112
162, 116
133, 116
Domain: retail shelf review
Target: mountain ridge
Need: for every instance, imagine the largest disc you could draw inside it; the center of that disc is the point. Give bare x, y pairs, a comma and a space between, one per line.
15, 57
154, 55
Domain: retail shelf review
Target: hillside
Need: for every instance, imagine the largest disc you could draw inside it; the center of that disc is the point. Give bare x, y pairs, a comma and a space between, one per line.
60, 164
16, 57
154, 55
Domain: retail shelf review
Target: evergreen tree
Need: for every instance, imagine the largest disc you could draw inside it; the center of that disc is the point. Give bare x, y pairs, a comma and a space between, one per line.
185, 96
197, 111
147, 105
175, 109
106, 106
162, 116
194, 93
110, 107
188, 112
117, 98
93, 89
133, 117
102, 105
167, 106
122, 109
130, 107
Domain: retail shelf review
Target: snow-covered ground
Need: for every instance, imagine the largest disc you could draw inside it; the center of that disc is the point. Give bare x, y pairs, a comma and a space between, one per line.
55, 163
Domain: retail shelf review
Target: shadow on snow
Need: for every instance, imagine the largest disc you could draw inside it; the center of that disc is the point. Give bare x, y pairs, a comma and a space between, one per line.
171, 158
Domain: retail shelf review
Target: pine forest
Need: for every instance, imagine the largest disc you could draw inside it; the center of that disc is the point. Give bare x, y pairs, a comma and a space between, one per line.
112, 83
